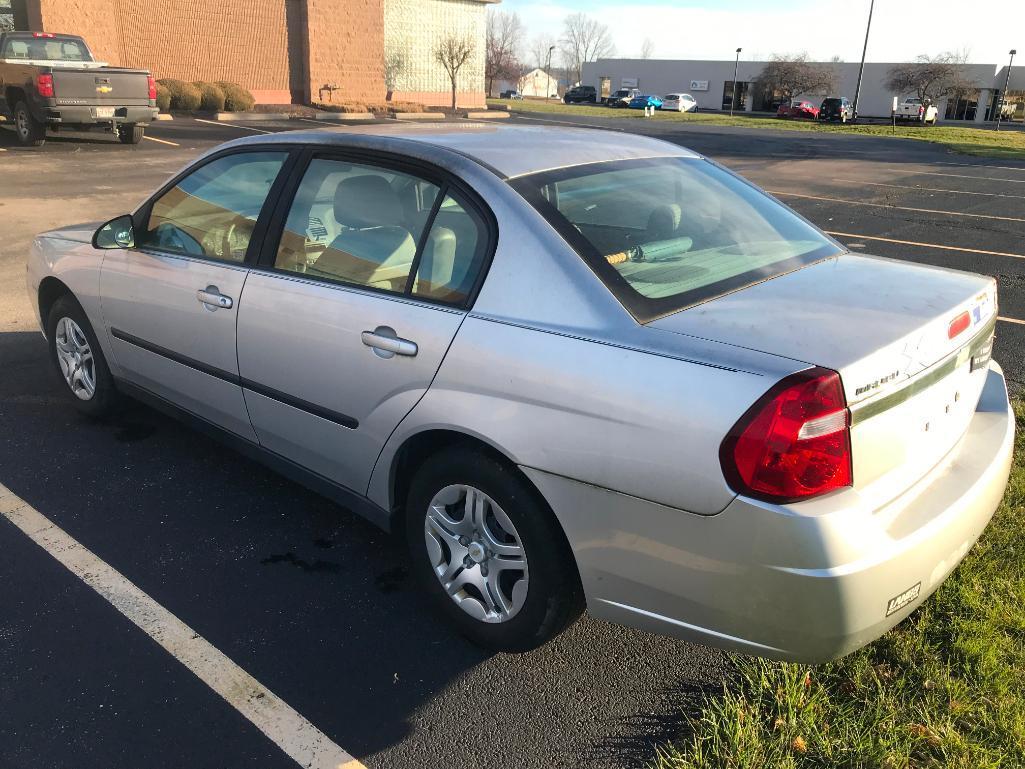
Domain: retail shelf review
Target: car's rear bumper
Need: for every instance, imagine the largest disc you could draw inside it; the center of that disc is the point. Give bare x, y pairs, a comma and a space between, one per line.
86, 115
806, 582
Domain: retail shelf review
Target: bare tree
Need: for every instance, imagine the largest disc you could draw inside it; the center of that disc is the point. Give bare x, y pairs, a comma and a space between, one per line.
452, 53
789, 75
647, 48
583, 40
930, 79
540, 45
504, 33
395, 66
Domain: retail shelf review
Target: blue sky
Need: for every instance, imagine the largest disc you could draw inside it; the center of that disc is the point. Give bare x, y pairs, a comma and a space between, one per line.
703, 29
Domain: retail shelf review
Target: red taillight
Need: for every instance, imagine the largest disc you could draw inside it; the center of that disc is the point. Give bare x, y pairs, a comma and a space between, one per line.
958, 325
152, 87
794, 443
42, 34
44, 86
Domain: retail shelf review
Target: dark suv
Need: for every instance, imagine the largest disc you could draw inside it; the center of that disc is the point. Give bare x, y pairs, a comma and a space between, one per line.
837, 108
580, 94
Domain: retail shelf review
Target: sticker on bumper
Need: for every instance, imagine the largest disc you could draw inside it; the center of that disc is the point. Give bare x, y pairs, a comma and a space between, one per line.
900, 601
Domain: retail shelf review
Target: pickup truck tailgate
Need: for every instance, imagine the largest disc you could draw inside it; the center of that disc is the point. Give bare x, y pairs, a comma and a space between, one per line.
106, 86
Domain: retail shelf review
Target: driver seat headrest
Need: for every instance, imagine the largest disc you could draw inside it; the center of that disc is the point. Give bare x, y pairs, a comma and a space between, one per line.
367, 201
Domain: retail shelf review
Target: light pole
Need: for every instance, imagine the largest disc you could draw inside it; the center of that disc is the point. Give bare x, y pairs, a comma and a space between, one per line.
864, 50
548, 71
736, 67
1003, 94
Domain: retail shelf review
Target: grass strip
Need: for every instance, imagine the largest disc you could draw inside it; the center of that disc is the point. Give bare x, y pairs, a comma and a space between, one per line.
945, 688
1008, 144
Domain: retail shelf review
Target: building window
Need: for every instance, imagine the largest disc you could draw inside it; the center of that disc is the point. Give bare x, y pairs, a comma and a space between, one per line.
963, 106
741, 95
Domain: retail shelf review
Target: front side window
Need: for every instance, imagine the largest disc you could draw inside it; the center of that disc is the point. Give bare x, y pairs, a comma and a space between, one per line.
666, 233
380, 228
212, 212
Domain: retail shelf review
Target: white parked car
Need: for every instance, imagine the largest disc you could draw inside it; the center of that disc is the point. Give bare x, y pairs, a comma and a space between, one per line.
679, 102
917, 110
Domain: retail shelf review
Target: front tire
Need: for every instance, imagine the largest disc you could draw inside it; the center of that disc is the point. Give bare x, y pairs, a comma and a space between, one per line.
130, 133
77, 356
489, 552
30, 132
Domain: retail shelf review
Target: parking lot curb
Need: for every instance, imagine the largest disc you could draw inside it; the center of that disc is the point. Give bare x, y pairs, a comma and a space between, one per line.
419, 115
229, 117
164, 116
343, 116
488, 115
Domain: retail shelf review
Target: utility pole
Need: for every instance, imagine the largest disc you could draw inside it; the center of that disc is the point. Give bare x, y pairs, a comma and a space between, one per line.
736, 66
548, 70
1003, 94
861, 69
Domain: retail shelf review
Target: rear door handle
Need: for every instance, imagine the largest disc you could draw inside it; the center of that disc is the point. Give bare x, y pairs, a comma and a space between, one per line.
386, 343
213, 299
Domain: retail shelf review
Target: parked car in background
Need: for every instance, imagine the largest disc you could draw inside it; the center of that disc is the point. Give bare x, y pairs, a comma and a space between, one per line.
914, 109
751, 438
511, 95
645, 100
800, 109
580, 94
836, 109
679, 102
622, 97
51, 81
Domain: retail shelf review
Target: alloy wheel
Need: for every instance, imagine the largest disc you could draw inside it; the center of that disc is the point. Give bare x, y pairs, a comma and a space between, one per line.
476, 553
75, 358
21, 124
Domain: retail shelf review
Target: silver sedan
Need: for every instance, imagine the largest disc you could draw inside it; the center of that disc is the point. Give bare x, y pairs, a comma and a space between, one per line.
573, 368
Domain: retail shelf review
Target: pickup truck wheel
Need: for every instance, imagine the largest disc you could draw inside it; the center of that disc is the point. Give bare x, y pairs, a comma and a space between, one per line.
130, 133
30, 131
76, 355
489, 552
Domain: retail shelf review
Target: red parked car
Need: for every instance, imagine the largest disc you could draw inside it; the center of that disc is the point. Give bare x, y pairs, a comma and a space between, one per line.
798, 109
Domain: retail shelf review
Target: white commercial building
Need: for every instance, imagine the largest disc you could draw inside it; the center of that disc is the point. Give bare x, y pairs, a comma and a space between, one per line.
711, 85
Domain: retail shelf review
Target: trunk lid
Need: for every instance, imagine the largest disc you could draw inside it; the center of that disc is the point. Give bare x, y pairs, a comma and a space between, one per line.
883, 325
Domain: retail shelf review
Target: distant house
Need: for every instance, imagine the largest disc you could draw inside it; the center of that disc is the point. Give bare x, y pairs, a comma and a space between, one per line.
535, 83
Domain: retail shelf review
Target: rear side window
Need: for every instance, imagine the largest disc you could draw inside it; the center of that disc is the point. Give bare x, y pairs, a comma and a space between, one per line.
45, 49
667, 233
212, 212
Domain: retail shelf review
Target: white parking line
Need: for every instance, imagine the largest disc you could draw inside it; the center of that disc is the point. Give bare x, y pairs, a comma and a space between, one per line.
1011, 320
915, 188
297, 737
518, 116
232, 125
897, 208
162, 141
956, 176
922, 245
979, 165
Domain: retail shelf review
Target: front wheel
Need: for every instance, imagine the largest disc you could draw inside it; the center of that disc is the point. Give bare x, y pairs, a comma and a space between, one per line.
489, 552
76, 355
31, 132
130, 133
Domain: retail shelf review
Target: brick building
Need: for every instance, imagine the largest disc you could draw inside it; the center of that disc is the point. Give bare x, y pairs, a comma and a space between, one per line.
282, 50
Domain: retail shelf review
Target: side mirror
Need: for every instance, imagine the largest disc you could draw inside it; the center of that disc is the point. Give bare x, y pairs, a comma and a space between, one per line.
117, 233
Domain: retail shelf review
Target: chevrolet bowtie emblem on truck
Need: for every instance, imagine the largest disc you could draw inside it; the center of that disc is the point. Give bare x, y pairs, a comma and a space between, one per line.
103, 89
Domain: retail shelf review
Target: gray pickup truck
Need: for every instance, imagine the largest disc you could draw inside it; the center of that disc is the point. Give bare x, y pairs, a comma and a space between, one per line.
52, 81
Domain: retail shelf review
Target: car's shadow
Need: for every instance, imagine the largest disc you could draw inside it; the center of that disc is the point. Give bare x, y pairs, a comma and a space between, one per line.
317, 604
9, 141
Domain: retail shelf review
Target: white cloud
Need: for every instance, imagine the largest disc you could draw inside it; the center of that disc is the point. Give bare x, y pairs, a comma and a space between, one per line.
901, 29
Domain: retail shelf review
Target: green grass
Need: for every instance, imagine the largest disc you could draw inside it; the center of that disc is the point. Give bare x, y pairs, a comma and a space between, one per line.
1007, 144
945, 688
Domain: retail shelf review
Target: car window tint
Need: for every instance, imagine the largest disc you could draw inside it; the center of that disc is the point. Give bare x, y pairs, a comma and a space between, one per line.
453, 255
212, 212
357, 224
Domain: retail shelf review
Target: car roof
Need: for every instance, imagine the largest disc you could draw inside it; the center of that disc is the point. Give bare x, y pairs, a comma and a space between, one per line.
507, 150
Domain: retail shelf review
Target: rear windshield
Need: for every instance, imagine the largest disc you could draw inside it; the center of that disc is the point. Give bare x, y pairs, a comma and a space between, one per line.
44, 48
831, 103
667, 233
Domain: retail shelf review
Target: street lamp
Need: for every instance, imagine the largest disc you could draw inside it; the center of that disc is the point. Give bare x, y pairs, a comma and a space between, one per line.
1003, 95
548, 71
736, 66
864, 50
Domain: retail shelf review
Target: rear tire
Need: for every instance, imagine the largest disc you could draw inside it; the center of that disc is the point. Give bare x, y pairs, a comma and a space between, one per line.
30, 132
77, 357
130, 133
505, 577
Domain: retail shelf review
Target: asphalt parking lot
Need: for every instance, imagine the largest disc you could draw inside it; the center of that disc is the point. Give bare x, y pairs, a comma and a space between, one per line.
307, 598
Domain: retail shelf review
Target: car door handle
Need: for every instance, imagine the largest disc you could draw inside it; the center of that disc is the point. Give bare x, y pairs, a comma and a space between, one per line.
386, 343
213, 298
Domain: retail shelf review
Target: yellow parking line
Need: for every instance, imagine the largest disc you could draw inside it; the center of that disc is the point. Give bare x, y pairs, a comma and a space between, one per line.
898, 208
923, 245
1011, 320
162, 141
232, 125
916, 188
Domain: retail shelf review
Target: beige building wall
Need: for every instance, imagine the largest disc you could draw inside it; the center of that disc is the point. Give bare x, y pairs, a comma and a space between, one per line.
415, 27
